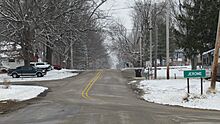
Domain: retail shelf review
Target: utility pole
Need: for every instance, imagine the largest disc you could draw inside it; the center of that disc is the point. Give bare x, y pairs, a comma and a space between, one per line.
167, 38
156, 47
150, 26
156, 43
216, 56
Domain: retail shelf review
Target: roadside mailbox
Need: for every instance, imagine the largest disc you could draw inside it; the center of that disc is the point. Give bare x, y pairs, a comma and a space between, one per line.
195, 74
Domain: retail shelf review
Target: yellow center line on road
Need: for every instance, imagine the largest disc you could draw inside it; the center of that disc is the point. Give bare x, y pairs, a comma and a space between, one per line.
85, 89
85, 92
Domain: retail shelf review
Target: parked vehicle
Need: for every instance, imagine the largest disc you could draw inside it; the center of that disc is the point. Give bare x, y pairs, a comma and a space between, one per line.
41, 65
26, 71
57, 67
3, 69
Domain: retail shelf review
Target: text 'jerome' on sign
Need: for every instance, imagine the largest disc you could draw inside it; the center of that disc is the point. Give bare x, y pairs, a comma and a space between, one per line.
194, 74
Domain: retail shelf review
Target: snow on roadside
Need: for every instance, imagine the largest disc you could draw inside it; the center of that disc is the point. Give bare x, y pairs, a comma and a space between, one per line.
51, 75
132, 82
175, 71
20, 93
172, 92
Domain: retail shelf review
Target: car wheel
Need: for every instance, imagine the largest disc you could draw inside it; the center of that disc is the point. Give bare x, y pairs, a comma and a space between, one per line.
39, 75
14, 75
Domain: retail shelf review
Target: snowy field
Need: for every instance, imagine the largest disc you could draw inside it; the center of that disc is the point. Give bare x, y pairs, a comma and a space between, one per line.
173, 92
51, 75
22, 92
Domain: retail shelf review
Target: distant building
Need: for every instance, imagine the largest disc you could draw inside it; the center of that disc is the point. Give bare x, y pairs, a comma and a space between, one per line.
9, 55
179, 58
11, 62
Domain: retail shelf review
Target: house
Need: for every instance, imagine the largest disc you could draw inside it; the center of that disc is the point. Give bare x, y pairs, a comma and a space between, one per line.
9, 55
11, 62
179, 58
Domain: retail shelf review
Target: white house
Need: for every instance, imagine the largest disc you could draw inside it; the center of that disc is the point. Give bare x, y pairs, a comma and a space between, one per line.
9, 55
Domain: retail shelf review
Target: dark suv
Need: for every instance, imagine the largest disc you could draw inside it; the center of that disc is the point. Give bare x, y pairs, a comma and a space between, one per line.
26, 71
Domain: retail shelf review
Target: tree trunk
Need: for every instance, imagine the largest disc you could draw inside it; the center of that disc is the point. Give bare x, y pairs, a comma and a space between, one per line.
161, 60
26, 56
26, 45
193, 62
49, 55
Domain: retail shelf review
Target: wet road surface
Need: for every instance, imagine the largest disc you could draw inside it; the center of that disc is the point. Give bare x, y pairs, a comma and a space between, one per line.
101, 97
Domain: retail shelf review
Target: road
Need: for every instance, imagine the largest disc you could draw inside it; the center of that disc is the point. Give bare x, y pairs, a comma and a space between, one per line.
101, 97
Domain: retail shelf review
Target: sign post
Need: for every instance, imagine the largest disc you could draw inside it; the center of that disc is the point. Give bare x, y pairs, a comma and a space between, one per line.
188, 85
195, 74
201, 87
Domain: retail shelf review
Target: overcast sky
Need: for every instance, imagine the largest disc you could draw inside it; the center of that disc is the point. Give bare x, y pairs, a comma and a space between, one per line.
120, 10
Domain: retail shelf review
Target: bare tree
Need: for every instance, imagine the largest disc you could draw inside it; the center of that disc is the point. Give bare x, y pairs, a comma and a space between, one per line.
54, 25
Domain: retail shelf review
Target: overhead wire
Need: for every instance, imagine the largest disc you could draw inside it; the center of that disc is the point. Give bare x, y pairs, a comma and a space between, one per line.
131, 7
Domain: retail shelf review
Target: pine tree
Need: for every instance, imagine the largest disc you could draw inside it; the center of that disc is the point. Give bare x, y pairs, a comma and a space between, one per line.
197, 26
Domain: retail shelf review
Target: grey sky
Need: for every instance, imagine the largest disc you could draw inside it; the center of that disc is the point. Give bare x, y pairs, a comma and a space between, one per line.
119, 12
122, 15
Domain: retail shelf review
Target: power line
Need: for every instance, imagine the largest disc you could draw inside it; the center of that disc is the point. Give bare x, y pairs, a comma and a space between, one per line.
118, 9
123, 8
131, 7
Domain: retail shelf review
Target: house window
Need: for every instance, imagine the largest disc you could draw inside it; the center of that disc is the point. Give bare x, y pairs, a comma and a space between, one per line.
11, 60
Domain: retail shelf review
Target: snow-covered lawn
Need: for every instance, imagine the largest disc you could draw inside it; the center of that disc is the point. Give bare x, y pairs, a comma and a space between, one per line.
51, 75
20, 93
172, 92
175, 71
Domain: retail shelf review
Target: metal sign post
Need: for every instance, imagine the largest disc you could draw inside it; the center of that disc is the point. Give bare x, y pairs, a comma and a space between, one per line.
187, 85
195, 74
201, 86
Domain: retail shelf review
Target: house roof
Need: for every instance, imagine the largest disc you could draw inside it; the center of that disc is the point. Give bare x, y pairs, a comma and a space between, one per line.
208, 51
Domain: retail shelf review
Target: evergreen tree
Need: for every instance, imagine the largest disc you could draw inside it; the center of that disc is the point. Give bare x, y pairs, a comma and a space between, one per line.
197, 26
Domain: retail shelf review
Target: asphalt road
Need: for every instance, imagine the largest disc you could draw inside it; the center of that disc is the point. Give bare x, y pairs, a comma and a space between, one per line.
101, 97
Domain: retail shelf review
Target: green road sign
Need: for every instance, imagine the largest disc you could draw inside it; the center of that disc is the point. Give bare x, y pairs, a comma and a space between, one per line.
194, 74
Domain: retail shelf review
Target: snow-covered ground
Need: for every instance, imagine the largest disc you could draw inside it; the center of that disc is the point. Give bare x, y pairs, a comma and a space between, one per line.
51, 75
20, 93
173, 92
175, 71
